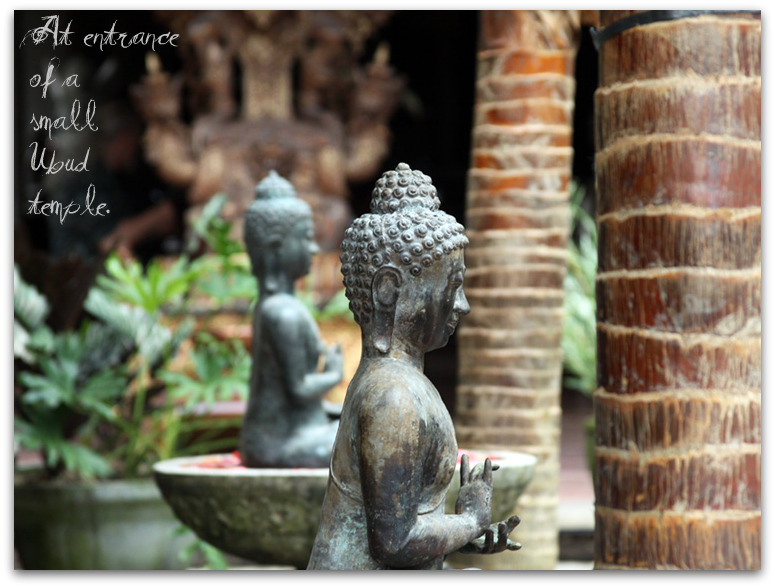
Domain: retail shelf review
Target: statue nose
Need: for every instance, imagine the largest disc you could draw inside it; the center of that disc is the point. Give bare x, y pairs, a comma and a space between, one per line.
461, 304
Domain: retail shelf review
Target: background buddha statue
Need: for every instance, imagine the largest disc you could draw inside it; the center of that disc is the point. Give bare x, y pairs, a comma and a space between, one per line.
395, 452
285, 424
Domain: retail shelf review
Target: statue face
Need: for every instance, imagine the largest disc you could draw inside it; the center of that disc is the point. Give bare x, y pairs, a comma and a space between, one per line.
297, 249
436, 301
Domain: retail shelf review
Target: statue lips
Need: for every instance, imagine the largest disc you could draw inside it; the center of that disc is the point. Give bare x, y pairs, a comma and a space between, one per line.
452, 324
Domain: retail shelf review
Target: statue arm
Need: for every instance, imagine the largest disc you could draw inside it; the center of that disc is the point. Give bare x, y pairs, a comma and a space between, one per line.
290, 333
391, 451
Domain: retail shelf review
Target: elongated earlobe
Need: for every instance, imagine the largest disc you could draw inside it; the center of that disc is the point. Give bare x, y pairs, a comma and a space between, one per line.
385, 289
272, 265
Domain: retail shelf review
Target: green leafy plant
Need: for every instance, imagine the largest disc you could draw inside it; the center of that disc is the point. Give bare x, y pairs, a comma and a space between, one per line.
224, 273
56, 394
579, 339
214, 230
338, 306
221, 371
85, 393
225, 281
198, 549
30, 309
149, 288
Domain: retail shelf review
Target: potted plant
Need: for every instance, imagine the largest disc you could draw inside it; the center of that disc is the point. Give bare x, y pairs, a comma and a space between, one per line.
92, 403
138, 381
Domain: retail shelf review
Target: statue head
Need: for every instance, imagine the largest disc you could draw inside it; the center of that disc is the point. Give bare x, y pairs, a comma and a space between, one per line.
404, 259
279, 233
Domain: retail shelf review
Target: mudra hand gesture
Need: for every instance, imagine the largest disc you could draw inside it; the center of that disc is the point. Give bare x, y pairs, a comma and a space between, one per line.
333, 359
475, 498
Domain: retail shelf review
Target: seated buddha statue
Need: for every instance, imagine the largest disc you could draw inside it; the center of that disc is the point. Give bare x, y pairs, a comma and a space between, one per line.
285, 424
395, 452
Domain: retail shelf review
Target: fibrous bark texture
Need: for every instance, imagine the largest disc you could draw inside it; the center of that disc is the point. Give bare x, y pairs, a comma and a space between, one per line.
510, 357
678, 408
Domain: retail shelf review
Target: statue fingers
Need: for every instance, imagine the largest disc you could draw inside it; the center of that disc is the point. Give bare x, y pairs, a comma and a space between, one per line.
503, 536
465, 477
477, 472
487, 474
512, 522
489, 541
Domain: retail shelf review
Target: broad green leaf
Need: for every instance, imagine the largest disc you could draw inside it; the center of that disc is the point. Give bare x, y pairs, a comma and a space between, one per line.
29, 305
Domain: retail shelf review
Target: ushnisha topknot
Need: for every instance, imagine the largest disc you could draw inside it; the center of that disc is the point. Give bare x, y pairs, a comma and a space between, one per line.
273, 213
274, 186
403, 188
405, 229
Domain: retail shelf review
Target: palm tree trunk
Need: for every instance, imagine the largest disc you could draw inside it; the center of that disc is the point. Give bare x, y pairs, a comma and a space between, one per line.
678, 408
510, 357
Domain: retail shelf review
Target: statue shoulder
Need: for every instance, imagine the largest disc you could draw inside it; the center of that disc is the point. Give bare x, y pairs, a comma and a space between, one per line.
284, 311
390, 386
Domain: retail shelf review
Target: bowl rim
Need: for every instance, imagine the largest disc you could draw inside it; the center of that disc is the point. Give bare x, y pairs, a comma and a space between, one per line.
185, 466
502, 456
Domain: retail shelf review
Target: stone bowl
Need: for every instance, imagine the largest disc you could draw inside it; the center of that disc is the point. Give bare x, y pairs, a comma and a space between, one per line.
266, 515
270, 516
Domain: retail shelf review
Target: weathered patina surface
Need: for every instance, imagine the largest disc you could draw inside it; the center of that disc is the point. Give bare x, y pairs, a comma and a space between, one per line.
285, 423
395, 451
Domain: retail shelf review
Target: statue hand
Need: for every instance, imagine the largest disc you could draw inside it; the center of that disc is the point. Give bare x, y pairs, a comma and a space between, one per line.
334, 360
495, 539
476, 491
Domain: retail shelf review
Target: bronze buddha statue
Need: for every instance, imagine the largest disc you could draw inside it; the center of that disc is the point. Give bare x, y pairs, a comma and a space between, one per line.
395, 451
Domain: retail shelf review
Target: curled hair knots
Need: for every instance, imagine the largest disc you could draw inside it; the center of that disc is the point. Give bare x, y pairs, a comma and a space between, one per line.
362, 253
403, 188
274, 212
410, 235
